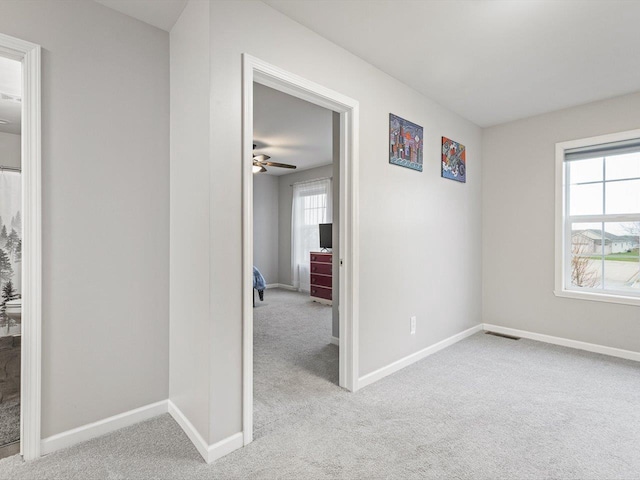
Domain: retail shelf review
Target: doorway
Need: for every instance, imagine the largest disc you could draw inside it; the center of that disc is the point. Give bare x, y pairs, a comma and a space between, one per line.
10, 254
255, 70
22, 259
295, 219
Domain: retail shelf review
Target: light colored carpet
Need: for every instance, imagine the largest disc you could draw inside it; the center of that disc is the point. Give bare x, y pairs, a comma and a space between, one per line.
484, 408
294, 363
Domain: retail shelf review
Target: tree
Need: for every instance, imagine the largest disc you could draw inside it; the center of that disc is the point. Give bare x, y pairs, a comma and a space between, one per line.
583, 274
3, 235
18, 251
632, 228
8, 294
6, 270
16, 222
12, 242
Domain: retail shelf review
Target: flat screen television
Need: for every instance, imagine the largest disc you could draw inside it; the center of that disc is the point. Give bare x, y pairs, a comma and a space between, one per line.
325, 235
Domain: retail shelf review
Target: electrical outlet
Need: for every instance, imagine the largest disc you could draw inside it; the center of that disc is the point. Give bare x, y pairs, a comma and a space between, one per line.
413, 325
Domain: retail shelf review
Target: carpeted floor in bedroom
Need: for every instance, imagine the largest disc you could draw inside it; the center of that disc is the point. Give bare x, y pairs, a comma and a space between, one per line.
484, 408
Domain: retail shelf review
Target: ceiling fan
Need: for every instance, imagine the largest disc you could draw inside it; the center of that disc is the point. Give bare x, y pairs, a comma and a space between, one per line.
261, 161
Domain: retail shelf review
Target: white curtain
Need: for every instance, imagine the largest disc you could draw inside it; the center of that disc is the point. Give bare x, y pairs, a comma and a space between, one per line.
312, 205
10, 230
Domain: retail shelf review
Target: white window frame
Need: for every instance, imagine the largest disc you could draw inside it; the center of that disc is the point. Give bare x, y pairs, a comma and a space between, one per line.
563, 233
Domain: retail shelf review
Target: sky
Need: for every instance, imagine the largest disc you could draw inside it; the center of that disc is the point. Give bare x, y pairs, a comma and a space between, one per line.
622, 188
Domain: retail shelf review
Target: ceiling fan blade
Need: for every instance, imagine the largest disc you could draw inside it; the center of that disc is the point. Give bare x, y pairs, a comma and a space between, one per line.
258, 168
261, 158
281, 165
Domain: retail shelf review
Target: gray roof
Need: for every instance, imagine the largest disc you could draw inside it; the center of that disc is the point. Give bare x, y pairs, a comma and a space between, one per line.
609, 237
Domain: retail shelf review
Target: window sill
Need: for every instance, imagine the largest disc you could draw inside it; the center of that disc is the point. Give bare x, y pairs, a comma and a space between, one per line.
598, 297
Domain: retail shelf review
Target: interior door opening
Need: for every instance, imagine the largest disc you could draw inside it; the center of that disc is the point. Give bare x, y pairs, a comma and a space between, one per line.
11, 235
343, 261
296, 179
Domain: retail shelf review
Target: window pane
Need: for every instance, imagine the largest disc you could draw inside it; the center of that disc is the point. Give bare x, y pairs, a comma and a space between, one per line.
623, 197
585, 199
623, 166
586, 255
621, 260
315, 209
586, 170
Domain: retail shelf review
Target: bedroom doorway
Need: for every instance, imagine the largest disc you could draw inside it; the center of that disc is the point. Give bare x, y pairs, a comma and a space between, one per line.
295, 219
312, 197
20, 248
10, 254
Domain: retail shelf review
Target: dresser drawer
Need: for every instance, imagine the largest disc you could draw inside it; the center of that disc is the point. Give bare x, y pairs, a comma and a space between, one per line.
321, 292
321, 257
320, 280
322, 268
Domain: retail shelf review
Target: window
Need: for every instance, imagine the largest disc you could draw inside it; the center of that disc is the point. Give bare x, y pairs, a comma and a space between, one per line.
598, 218
311, 206
315, 208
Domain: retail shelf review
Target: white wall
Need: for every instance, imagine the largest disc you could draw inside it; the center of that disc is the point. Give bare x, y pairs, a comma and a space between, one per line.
518, 201
265, 226
105, 131
285, 206
10, 149
420, 235
189, 304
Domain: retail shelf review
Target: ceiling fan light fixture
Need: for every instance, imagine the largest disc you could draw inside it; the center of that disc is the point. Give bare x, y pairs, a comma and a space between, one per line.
261, 161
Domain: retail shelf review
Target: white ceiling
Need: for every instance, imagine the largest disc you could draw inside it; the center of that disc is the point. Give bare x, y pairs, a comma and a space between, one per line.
489, 61
159, 13
10, 95
290, 130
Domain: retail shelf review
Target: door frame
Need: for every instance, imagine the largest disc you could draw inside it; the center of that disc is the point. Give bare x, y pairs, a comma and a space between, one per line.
256, 70
30, 382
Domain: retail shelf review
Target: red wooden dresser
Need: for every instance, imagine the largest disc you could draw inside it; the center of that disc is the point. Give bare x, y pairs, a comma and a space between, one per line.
321, 268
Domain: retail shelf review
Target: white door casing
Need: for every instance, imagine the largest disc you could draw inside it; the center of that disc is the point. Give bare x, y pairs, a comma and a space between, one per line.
29, 55
255, 70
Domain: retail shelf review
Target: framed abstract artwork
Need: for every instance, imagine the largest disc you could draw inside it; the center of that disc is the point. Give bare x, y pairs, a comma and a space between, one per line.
454, 160
405, 143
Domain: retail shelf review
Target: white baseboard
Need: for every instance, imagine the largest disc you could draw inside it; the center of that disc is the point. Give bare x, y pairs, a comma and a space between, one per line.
101, 427
201, 445
565, 342
87, 432
209, 453
282, 285
376, 375
225, 446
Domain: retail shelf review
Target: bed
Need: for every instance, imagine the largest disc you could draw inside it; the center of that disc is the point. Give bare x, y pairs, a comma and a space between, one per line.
259, 284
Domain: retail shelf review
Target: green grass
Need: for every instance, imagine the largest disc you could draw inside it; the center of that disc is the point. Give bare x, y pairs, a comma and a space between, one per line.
631, 256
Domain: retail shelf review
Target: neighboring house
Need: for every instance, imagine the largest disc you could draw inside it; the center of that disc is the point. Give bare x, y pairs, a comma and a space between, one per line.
590, 241
633, 240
